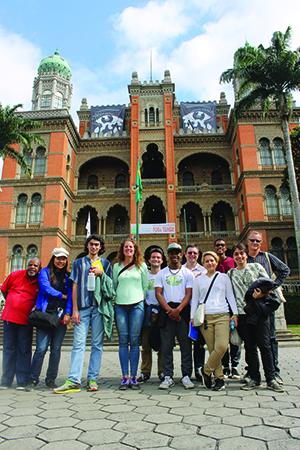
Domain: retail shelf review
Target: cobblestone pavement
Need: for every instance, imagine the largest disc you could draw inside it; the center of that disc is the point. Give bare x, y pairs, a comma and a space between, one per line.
150, 419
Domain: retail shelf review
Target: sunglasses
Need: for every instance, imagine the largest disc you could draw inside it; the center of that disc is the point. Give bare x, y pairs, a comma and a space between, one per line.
255, 240
220, 245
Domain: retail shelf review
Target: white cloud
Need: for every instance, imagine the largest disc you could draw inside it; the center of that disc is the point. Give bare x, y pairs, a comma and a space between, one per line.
19, 62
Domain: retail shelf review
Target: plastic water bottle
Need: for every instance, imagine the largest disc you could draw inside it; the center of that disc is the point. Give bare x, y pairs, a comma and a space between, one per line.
91, 282
232, 324
60, 312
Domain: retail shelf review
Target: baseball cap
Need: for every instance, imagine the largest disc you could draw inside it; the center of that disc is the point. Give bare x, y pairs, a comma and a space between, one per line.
174, 246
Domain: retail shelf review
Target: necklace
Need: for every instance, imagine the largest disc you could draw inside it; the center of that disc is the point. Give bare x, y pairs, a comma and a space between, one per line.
175, 273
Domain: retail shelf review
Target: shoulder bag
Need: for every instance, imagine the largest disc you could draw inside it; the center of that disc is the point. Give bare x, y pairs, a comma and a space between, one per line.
199, 315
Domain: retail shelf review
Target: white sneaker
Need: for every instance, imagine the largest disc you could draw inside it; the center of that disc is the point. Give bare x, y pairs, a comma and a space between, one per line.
167, 383
187, 383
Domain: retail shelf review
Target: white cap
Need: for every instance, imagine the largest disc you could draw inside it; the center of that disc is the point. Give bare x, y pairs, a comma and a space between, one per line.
60, 252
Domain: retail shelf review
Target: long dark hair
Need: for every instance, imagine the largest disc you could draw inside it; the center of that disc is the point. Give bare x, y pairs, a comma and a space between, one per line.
53, 273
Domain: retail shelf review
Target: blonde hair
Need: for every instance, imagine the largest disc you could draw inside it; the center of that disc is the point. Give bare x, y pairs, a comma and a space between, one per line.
210, 253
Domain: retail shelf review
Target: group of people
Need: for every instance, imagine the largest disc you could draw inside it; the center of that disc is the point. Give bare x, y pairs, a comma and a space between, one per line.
151, 309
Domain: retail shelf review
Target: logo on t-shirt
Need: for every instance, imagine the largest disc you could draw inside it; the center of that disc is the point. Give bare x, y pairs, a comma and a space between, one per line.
151, 284
173, 280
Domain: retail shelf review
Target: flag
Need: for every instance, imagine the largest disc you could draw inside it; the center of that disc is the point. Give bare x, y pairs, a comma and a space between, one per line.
138, 185
88, 226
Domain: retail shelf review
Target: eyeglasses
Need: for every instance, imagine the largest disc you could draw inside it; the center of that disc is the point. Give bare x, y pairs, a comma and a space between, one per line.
255, 240
220, 245
91, 244
192, 253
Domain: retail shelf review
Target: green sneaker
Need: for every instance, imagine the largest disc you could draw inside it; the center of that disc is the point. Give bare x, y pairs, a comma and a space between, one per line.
68, 386
92, 385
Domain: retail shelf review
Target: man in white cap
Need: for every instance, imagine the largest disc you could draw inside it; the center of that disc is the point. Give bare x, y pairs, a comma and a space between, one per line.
173, 290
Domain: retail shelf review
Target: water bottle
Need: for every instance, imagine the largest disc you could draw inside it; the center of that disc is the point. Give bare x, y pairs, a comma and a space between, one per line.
232, 324
91, 282
60, 312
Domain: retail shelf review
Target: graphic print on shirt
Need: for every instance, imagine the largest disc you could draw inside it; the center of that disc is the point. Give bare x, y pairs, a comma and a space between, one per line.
174, 280
151, 284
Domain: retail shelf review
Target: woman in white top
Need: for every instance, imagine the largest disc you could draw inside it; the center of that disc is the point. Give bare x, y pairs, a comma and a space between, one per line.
216, 328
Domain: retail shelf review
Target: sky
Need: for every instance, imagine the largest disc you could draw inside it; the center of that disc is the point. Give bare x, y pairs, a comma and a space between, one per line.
104, 42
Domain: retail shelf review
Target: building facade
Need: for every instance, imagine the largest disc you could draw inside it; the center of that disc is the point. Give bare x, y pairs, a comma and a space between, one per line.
225, 180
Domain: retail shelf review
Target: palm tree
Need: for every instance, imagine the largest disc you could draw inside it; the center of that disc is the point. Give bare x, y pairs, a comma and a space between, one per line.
14, 129
269, 75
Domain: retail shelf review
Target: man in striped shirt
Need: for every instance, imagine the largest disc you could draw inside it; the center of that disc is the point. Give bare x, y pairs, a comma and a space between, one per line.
270, 264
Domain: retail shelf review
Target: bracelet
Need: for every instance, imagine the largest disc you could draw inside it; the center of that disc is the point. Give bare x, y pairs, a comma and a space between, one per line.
68, 314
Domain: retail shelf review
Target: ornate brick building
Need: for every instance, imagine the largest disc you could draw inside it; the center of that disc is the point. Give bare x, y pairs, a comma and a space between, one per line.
226, 178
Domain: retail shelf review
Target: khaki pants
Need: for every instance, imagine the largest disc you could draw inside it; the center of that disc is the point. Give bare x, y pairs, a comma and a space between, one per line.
216, 337
147, 350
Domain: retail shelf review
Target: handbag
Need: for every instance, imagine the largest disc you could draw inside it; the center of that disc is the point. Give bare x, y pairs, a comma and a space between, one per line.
44, 320
235, 338
199, 315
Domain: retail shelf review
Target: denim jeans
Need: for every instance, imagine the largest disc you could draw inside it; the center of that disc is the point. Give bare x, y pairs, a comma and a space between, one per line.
17, 341
129, 321
89, 317
43, 338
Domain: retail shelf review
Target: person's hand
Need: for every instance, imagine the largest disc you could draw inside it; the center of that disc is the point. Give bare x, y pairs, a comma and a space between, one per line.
76, 317
192, 321
174, 314
258, 294
235, 318
97, 271
66, 319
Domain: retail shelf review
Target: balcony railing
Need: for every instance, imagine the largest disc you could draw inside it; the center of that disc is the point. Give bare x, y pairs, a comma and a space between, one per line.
103, 191
291, 287
210, 234
206, 187
148, 181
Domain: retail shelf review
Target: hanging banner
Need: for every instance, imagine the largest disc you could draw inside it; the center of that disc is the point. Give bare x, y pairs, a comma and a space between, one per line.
154, 228
198, 115
107, 118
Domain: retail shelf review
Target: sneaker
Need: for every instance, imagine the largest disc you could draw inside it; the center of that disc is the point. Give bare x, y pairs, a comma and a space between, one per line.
187, 383
143, 378
246, 378
234, 374
219, 385
31, 386
206, 378
167, 383
51, 385
278, 379
68, 386
161, 376
21, 387
133, 383
4, 386
199, 378
226, 373
251, 385
275, 386
92, 385
125, 384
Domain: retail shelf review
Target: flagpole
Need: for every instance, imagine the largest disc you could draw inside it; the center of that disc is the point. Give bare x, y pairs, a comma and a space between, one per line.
137, 213
185, 232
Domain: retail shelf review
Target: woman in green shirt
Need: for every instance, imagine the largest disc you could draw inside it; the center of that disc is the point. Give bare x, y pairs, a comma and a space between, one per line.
130, 278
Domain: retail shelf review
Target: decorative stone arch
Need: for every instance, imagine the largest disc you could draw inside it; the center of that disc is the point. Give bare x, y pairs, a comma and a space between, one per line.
78, 208
201, 152
216, 201
88, 158
148, 195
113, 206
180, 204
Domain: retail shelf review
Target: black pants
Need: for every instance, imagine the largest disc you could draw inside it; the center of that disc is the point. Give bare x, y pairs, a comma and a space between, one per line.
235, 356
257, 336
199, 352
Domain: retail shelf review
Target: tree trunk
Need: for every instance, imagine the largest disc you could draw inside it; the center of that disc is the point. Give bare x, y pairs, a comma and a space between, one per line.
293, 184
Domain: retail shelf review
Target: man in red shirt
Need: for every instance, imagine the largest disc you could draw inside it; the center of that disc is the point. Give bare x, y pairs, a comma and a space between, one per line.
20, 290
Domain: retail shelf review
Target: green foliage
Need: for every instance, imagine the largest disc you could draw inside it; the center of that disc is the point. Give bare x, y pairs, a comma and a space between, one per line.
295, 141
14, 129
292, 308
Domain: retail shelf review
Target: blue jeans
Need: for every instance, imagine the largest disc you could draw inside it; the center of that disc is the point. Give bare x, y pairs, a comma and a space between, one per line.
129, 321
43, 338
89, 317
17, 341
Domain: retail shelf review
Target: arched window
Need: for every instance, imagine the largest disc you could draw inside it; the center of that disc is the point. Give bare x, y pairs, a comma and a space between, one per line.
271, 201
188, 179
36, 208
17, 260
120, 181
28, 157
120, 225
286, 205
265, 152
277, 248
46, 99
191, 223
220, 222
21, 213
151, 115
292, 255
92, 182
31, 253
216, 177
40, 160
278, 152
157, 115
146, 115
58, 100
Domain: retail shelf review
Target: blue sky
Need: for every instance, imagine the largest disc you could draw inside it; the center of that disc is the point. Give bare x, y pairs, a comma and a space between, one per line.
104, 42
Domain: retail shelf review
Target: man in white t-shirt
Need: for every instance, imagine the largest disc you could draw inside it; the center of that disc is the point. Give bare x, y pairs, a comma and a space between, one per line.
151, 310
173, 290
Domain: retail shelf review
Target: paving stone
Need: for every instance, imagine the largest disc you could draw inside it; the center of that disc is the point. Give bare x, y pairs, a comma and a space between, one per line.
143, 402
145, 440
241, 443
176, 429
83, 407
295, 432
152, 409
207, 404
242, 421
118, 446
56, 405
67, 445
97, 437
95, 424
260, 412
169, 403
54, 423
220, 431
286, 444
193, 442
241, 404
278, 405
292, 412
125, 417
86, 415
22, 420
163, 418
200, 421
111, 401
22, 444
264, 433
24, 411
60, 434
221, 412
4, 409
134, 427
48, 414
20, 432
117, 408
282, 421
